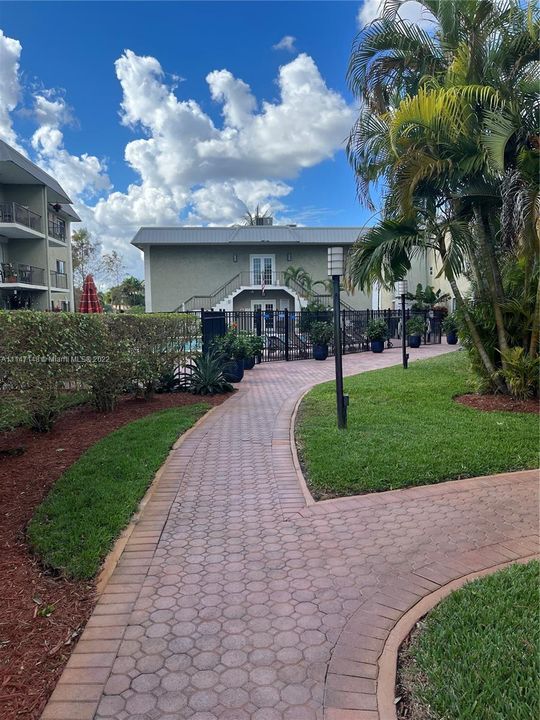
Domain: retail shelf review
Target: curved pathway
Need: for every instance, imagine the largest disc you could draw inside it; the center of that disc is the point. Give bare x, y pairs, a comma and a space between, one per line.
235, 600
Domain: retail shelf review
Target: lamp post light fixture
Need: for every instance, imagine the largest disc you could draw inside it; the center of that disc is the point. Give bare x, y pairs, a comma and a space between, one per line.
402, 289
335, 271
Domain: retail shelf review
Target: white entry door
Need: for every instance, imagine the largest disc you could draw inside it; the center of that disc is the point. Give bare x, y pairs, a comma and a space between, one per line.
268, 309
262, 270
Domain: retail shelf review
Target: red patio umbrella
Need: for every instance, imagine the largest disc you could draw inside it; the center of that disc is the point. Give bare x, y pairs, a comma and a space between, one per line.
89, 302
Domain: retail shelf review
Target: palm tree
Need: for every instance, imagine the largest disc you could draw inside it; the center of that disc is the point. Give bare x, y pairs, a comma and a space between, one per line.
256, 217
132, 291
299, 276
445, 116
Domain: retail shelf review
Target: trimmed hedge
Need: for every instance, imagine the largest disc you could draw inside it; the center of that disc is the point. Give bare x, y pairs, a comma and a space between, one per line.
43, 354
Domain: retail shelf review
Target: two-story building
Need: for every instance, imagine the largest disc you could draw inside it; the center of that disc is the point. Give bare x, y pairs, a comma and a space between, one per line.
247, 267
35, 236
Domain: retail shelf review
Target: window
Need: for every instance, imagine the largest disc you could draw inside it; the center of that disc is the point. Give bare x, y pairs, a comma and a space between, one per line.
61, 266
262, 269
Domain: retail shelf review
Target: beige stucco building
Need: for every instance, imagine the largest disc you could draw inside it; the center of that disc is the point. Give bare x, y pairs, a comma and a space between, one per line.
35, 236
244, 268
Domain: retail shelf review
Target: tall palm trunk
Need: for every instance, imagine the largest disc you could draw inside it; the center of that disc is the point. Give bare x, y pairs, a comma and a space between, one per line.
535, 335
475, 336
495, 284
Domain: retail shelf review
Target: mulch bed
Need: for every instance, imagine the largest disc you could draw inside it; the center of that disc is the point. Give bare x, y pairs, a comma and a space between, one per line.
35, 647
498, 403
406, 707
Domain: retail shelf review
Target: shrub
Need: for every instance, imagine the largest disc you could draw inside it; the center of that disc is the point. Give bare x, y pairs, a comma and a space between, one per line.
416, 325
43, 354
39, 359
205, 376
255, 344
450, 323
321, 333
314, 312
521, 373
233, 345
377, 330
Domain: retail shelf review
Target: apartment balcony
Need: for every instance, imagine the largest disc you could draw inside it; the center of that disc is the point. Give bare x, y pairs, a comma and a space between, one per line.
18, 221
56, 228
59, 281
21, 276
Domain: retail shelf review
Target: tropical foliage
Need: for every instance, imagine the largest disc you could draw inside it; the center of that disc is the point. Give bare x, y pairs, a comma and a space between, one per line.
204, 375
426, 298
449, 134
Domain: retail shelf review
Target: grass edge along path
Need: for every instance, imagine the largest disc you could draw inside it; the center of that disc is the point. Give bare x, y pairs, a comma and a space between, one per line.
93, 501
475, 656
405, 429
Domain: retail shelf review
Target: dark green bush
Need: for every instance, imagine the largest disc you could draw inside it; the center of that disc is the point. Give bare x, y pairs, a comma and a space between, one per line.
416, 325
43, 354
377, 330
321, 333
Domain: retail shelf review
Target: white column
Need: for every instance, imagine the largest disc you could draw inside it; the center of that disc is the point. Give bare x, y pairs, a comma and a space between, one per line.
147, 280
70, 267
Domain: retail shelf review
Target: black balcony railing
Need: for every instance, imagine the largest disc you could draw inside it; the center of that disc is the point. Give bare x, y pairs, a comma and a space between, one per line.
57, 227
59, 280
12, 212
22, 274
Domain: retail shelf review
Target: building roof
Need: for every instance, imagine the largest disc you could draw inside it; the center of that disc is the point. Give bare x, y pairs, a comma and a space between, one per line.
70, 212
249, 234
15, 168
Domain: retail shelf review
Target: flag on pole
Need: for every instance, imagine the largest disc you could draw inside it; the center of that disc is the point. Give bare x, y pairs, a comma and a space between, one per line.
263, 285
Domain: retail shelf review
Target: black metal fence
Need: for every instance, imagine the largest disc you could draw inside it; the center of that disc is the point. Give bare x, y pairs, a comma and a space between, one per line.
286, 333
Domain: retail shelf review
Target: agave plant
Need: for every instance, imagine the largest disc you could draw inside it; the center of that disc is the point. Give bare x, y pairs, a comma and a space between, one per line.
204, 376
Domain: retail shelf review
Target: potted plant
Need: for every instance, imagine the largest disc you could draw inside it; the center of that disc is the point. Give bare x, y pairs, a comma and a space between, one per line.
450, 327
320, 334
415, 329
377, 333
9, 273
255, 346
233, 348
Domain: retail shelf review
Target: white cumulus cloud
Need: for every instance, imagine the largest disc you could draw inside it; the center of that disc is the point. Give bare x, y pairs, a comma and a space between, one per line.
410, 11
286, 43
10, 89
189, 168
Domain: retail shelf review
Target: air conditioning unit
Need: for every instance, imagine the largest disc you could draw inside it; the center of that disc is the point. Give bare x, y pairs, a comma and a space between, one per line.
264, 221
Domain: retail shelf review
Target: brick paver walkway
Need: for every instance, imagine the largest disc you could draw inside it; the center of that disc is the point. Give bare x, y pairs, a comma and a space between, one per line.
235, 600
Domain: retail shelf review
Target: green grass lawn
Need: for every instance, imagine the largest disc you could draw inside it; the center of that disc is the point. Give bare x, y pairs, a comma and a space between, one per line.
476, 656
76, 525
405, 429
13, 414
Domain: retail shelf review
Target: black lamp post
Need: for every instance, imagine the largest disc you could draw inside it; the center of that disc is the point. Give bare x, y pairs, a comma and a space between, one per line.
401, 292
335, 271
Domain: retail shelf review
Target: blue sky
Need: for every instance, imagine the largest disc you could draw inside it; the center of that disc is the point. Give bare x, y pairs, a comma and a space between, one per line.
78, 113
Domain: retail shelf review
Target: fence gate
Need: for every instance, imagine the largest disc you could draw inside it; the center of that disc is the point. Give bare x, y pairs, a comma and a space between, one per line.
213, 326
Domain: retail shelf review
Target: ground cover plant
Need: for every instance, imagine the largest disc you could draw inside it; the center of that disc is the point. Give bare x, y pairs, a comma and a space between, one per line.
405, 428
476, 655
75, 527
13, 413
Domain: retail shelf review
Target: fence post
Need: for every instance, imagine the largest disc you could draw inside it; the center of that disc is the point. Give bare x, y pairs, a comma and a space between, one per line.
258, 329
203, 333
286, 333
